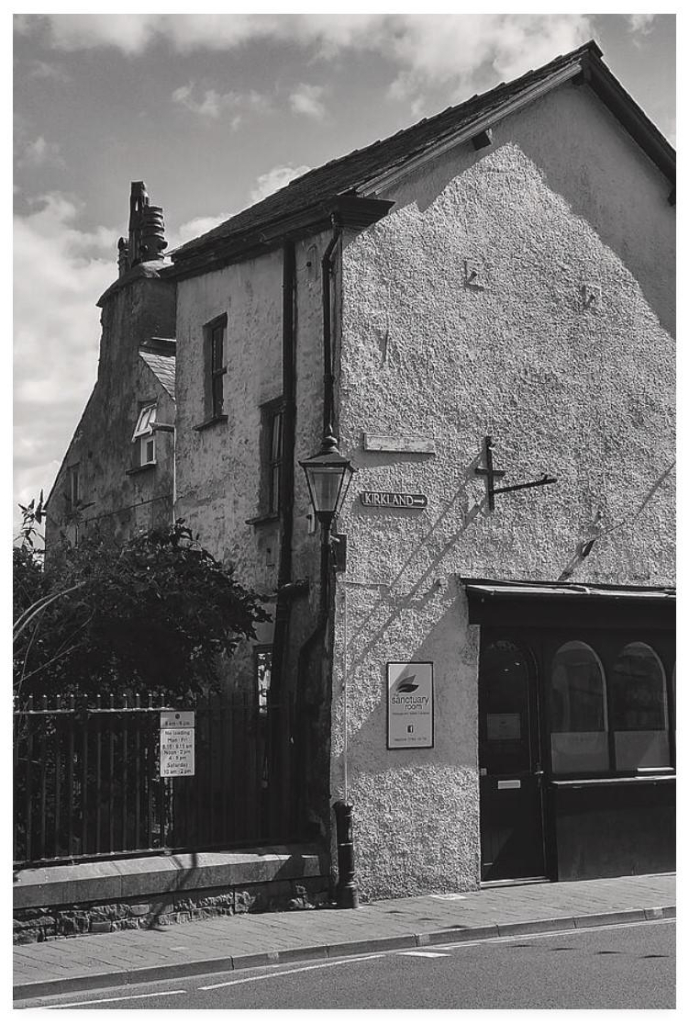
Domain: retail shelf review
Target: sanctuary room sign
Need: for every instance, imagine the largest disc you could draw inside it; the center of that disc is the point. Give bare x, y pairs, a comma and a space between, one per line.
410, 705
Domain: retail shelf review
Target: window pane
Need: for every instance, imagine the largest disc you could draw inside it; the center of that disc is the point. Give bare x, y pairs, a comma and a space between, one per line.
274, 497
217, 338
504, 720
264, 661
639, 709
578, 713
276, 438
73, 484
217, 394
148, 450
145, 422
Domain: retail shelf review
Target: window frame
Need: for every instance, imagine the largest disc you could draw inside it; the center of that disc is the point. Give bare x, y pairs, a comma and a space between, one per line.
215, 359
144, 435
664, 692
271, 461
603, 698
262, 696
607, 644
73, 494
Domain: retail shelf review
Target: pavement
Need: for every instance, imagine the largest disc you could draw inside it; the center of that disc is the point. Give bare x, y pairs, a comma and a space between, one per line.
250, 940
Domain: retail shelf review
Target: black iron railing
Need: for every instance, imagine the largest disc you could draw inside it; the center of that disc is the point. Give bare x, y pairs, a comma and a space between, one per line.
87, 781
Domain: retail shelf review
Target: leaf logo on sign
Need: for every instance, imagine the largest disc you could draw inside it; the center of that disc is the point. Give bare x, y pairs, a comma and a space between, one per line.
407, 685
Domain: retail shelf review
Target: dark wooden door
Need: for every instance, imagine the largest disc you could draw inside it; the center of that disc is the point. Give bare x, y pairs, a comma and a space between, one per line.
510, 764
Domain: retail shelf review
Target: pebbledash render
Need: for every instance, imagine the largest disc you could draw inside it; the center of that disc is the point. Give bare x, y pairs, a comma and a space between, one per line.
523, 292
496, 287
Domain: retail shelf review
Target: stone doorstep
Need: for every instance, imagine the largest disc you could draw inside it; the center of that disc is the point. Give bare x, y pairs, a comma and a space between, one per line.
111, 881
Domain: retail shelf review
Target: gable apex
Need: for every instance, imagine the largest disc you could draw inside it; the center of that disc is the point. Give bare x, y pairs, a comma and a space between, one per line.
363, 171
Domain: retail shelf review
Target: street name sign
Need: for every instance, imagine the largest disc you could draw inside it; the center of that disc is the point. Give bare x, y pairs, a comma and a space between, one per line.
392, 499
410, 705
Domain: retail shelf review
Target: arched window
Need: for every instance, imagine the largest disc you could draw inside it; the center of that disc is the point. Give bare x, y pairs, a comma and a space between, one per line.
639, 711
578, 711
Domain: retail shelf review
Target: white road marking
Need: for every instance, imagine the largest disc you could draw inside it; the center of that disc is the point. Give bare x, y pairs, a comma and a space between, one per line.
420, 952
550, 935
116, 999
295, 970
446, 896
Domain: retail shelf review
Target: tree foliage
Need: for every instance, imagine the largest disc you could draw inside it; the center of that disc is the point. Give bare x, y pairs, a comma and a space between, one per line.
151, 615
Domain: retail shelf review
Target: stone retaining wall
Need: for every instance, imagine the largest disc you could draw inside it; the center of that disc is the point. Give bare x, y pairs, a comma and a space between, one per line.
38, 924
141, 892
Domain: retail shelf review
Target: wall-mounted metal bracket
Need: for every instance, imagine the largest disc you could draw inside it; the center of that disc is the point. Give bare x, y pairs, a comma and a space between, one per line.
338, 546
491, 474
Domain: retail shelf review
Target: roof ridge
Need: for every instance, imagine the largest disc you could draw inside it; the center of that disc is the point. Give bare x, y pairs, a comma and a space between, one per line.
355, 171
455, 107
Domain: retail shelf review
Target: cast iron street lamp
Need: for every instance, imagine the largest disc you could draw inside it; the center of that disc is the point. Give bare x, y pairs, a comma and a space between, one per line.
328, 475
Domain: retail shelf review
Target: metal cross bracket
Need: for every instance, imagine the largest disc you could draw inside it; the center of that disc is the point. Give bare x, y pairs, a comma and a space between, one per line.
491, 474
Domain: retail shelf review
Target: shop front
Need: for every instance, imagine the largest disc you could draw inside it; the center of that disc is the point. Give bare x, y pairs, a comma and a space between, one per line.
576, 729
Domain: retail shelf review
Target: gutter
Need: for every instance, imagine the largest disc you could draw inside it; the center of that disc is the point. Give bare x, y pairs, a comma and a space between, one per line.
354, 210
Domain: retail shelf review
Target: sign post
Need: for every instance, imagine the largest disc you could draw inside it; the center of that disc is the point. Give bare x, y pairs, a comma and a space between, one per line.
410, 705
177, 741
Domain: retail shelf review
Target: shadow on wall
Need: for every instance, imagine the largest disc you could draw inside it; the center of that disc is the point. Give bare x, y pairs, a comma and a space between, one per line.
590, 177
596, 531
454, 652
416, 593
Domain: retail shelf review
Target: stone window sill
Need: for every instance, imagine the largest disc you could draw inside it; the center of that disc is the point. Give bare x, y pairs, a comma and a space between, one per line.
263, 520
141, 469
211, 422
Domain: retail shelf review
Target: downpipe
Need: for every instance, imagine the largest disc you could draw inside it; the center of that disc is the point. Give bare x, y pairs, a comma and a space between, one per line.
347, 895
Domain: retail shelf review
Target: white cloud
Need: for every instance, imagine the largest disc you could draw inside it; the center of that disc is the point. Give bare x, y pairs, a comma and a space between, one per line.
59, 272
130, 33
308, 100
468, 50
43, 70
641, 22
38, 153
428, 48
275, 179
212, 103
193, 229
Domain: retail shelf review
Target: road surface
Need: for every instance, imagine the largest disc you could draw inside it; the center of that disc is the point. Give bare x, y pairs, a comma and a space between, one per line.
613, 967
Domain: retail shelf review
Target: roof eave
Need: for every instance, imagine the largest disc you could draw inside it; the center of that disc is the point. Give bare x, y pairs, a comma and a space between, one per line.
479, 124
352, 210
631, 117
589, 69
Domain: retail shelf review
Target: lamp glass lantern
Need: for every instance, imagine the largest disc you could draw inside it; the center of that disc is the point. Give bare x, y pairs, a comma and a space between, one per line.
328, 475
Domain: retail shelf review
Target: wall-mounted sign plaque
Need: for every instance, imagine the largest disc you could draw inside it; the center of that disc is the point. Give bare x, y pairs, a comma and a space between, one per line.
176, 719
399, 443
392, 499
177, 742
410, 705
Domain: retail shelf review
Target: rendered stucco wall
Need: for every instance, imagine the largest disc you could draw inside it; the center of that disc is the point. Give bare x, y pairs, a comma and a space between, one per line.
218, 476
525, 291
118, 502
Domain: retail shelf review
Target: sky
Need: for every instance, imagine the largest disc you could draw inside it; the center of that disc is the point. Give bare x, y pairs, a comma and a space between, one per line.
213, 112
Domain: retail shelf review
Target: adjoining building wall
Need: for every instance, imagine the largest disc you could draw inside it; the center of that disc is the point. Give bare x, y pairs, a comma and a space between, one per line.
523, 291
114, 499
220, 490
219, 465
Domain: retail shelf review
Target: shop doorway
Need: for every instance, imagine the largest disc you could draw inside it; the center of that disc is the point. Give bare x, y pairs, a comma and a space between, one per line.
510, 763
